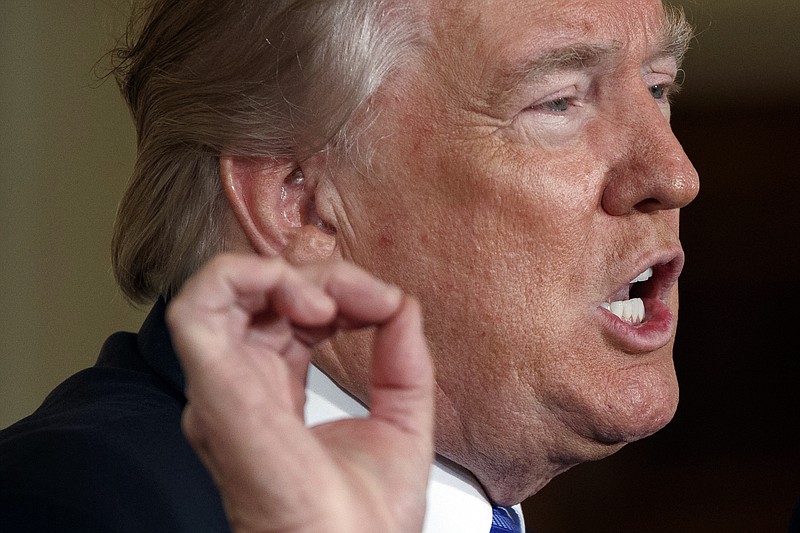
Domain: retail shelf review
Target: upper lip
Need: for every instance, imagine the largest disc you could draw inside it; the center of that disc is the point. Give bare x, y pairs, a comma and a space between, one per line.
667, 264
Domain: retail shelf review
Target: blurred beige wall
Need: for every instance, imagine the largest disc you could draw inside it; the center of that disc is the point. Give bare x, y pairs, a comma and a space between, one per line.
67, 147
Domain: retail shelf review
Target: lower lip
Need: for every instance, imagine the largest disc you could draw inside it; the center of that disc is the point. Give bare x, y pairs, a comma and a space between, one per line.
655, 332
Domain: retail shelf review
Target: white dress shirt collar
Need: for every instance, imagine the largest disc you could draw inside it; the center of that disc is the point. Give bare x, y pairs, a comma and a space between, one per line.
456, 501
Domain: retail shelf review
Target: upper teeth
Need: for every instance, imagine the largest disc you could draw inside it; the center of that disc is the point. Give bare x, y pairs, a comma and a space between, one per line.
630, 310
644, 276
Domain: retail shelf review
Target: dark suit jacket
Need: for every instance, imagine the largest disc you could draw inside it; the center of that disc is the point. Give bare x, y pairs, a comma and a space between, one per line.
794, 523
105, 450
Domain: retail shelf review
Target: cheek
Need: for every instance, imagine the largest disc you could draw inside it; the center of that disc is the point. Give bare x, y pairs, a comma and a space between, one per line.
555, 193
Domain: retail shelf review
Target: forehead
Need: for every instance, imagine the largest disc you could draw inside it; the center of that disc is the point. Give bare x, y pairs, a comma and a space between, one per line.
513, 28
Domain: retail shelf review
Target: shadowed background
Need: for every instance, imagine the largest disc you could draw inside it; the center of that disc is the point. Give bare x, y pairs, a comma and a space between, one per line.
730, 461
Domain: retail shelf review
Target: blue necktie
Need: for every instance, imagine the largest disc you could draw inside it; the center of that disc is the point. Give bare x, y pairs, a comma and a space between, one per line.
505, 520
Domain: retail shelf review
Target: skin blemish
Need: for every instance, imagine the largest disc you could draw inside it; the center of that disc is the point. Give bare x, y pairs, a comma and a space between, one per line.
386, 240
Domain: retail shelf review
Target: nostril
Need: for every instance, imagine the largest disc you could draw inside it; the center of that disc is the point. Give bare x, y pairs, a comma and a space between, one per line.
648, 205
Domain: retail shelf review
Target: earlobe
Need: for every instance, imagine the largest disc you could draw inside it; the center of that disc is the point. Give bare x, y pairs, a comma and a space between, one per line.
274, 203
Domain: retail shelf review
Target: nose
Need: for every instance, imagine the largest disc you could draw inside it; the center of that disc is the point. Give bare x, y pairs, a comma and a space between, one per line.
652, 172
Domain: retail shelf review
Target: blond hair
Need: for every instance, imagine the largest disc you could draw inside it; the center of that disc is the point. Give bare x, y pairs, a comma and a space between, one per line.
257, 78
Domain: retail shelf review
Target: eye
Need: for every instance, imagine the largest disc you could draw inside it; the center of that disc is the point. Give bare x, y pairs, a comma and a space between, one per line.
559, 105
659, 91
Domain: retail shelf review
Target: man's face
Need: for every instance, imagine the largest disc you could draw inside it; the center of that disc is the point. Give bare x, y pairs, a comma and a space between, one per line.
523, 174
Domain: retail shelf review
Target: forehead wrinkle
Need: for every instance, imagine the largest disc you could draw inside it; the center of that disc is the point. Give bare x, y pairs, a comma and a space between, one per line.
673, 40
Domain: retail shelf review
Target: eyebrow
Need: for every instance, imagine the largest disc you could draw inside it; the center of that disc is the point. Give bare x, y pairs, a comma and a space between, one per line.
574, 57
676, 35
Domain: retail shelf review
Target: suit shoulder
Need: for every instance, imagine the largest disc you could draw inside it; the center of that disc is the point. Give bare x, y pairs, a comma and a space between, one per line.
106, 448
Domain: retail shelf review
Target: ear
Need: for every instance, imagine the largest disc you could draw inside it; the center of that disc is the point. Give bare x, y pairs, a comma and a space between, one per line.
274, 202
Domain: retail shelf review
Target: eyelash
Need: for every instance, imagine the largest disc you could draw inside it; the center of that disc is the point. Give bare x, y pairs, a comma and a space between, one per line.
554, 105
667, 91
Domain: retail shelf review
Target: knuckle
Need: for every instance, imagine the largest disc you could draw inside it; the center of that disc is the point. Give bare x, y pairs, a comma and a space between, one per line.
191, 426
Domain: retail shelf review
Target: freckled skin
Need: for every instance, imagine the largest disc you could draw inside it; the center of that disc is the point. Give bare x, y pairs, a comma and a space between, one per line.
510, 230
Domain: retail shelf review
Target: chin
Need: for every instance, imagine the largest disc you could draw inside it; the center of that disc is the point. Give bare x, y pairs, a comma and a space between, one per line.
637, 409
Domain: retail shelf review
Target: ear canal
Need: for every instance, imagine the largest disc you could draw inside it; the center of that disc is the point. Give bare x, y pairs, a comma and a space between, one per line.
297, 177
299, 203
313, 238
293, 198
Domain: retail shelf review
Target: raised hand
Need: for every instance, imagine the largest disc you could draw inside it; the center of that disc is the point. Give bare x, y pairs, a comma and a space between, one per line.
244, 328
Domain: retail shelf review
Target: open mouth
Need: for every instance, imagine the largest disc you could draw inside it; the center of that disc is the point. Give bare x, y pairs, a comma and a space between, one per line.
638, 316
628, 303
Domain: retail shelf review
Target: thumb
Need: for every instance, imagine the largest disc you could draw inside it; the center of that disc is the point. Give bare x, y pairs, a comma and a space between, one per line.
401, 381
